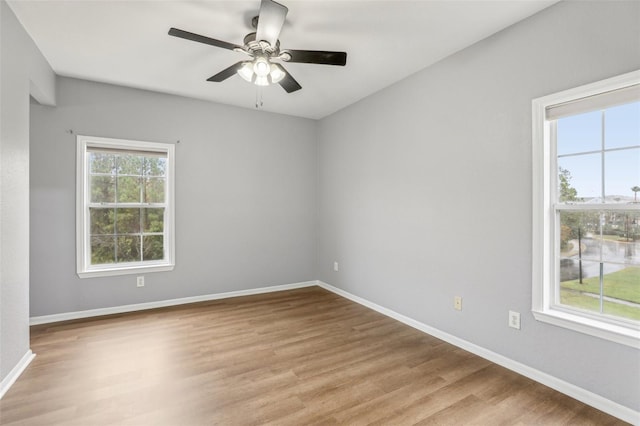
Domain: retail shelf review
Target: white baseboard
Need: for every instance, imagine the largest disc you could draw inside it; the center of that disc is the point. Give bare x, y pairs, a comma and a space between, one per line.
16, 372
46, 319
583, 395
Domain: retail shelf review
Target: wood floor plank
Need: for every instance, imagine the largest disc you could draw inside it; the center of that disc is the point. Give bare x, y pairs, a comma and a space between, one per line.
299, 357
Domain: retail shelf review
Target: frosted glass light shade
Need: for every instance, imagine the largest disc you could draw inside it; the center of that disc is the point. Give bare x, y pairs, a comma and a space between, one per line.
261, 80
276, 74
246, 71
261, 67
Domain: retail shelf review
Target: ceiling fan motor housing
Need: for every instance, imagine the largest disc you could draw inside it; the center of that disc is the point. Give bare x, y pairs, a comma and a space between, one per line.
260, 48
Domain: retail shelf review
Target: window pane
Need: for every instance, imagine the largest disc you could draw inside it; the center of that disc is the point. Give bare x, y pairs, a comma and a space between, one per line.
580, 175
128, 221
621, 237
579, 235
622, 173
103, 189
103, 250
130, 164
102, 221
153, 247
570, 269
622, 292
155, 166
129, 189
102, 163
591, 246
622, 126
153, 220
128, 249
579, 295
154, 190
579, 133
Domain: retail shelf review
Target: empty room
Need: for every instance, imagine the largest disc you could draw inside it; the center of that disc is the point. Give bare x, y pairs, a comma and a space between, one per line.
305, 212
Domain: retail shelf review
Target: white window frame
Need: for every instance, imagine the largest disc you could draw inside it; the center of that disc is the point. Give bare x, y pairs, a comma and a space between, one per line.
83, 261
544, 220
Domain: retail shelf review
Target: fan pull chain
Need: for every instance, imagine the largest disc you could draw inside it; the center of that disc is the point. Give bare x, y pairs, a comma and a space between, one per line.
259, 102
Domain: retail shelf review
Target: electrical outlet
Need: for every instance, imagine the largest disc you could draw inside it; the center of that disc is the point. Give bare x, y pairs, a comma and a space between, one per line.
335, 266
140, 281
457, 303
514, 320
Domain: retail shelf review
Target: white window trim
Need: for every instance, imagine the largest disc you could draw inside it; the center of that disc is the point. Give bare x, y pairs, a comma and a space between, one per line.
84, 268
543, 259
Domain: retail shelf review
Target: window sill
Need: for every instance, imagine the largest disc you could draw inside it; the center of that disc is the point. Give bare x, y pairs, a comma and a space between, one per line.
107, 272
615, 333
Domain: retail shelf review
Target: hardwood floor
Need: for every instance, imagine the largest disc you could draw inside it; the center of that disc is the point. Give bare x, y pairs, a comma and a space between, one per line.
298, 357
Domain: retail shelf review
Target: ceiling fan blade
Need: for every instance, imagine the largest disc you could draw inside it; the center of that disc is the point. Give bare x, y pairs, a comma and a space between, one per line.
226, 73
288, 83
270, 21
202, 39
317, 57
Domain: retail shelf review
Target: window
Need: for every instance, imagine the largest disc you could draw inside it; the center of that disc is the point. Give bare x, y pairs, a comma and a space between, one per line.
586, 227
124, 207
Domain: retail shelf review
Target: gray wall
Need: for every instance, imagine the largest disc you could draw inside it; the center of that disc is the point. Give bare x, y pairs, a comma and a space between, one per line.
245, 195
425, 190
23, 70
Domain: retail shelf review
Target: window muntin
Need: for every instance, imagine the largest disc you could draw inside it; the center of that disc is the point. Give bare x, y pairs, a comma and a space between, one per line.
125, 208
587, 220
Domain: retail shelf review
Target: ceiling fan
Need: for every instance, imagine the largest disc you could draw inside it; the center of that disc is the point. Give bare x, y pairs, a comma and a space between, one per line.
263, 47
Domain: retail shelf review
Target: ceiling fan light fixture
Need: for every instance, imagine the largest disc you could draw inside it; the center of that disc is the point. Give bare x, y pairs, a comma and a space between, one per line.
261, 72
246, 71
276, 74
261, 80
261, 66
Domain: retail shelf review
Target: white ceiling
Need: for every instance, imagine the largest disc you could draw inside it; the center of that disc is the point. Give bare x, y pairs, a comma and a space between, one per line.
126, 43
